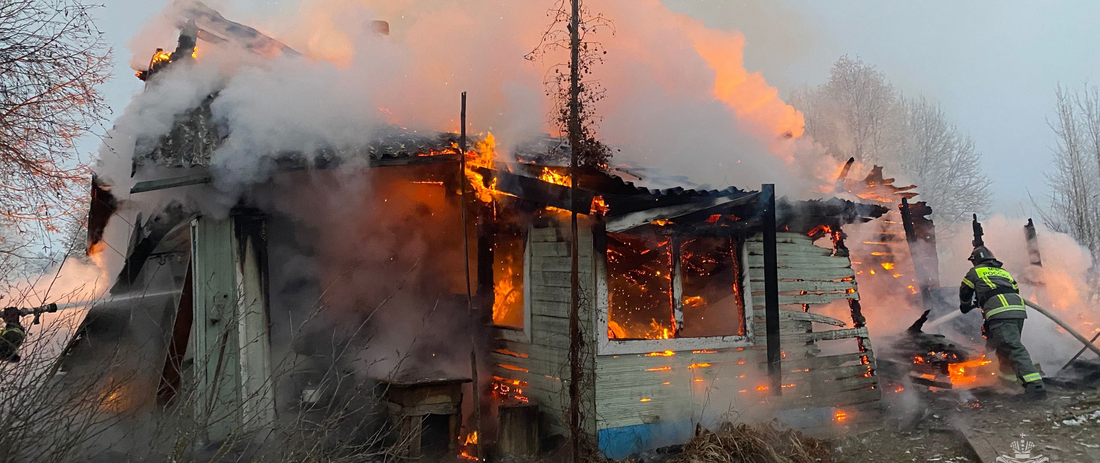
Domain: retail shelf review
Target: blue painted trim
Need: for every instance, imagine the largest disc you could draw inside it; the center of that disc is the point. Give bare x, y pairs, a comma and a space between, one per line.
621, 442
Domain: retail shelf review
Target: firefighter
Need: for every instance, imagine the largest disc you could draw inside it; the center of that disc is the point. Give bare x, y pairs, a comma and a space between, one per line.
1003, 309
12, 336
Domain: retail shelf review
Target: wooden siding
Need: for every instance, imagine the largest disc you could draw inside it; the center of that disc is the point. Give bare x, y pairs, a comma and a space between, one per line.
232, 351
217, 358
810, 275
543, 363
636, 389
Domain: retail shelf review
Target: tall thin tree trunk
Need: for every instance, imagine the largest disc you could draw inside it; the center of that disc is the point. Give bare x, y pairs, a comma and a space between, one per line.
574, 273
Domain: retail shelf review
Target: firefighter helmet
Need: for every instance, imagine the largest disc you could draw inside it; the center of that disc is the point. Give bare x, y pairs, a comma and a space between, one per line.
980, 254
11, 313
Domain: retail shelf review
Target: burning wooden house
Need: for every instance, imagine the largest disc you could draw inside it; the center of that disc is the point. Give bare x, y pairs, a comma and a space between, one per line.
692, 303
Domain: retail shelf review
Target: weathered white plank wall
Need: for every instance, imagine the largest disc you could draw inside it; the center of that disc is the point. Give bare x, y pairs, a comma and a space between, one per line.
810, 274
675, 386
543, 364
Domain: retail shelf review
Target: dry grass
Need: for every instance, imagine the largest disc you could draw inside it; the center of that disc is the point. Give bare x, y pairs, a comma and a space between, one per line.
762, 443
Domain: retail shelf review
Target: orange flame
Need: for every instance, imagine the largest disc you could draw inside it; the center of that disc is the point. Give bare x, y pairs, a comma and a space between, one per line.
599, 207
548, 175
483, 154
160, 56
820, 229
508, 281
471, 438
970, 373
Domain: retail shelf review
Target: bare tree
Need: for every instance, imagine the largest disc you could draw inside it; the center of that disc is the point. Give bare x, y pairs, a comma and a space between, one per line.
1073, 183
854, 114
859, 114
52, 60
942, 162
573, 94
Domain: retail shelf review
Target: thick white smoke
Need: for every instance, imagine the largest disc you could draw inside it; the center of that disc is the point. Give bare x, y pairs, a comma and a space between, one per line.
677, 94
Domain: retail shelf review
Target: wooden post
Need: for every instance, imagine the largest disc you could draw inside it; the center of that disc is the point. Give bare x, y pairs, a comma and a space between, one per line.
915, 254
771, 288
1032, 244
677, 285
840, 179
518, 432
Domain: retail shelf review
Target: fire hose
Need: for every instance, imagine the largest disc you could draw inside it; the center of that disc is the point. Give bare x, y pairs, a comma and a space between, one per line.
38, 311
1088, 344
54, 307
1063, 324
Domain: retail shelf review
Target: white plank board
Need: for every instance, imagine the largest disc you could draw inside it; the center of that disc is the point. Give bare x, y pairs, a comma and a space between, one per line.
757, 274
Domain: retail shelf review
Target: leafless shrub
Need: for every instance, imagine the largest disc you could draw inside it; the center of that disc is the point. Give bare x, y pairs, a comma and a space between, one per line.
107, 409
763, 443
44, 419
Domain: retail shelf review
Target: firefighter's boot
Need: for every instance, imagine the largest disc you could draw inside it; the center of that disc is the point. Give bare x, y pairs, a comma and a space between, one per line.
1036, 389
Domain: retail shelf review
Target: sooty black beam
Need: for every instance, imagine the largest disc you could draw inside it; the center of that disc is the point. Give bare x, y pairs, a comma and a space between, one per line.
771, 288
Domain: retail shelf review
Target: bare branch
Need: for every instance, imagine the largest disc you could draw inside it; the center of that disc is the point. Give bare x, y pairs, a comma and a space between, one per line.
52, 61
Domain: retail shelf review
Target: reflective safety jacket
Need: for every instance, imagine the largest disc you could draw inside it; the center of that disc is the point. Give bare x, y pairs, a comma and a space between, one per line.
997, 292
11, 337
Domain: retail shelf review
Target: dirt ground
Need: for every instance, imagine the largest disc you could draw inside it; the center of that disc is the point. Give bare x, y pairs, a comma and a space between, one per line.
981, 425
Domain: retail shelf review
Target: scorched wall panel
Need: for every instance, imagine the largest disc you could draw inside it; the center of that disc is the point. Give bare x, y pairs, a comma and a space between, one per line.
543, 362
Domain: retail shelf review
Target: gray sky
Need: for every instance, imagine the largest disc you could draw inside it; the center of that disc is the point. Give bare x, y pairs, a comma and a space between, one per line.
992, 65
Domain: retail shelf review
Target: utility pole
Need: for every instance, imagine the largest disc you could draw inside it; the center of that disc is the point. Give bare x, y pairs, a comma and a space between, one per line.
574, 128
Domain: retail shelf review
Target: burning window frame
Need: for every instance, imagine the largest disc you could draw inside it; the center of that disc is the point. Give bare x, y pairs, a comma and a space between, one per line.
608, 346
511, 332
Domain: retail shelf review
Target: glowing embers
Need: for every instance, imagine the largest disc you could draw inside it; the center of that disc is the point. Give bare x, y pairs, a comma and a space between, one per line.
599, 207
639, 286
978, 372
508, 264
642, 275
468, 447
159, 60
709, 276
509, 389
